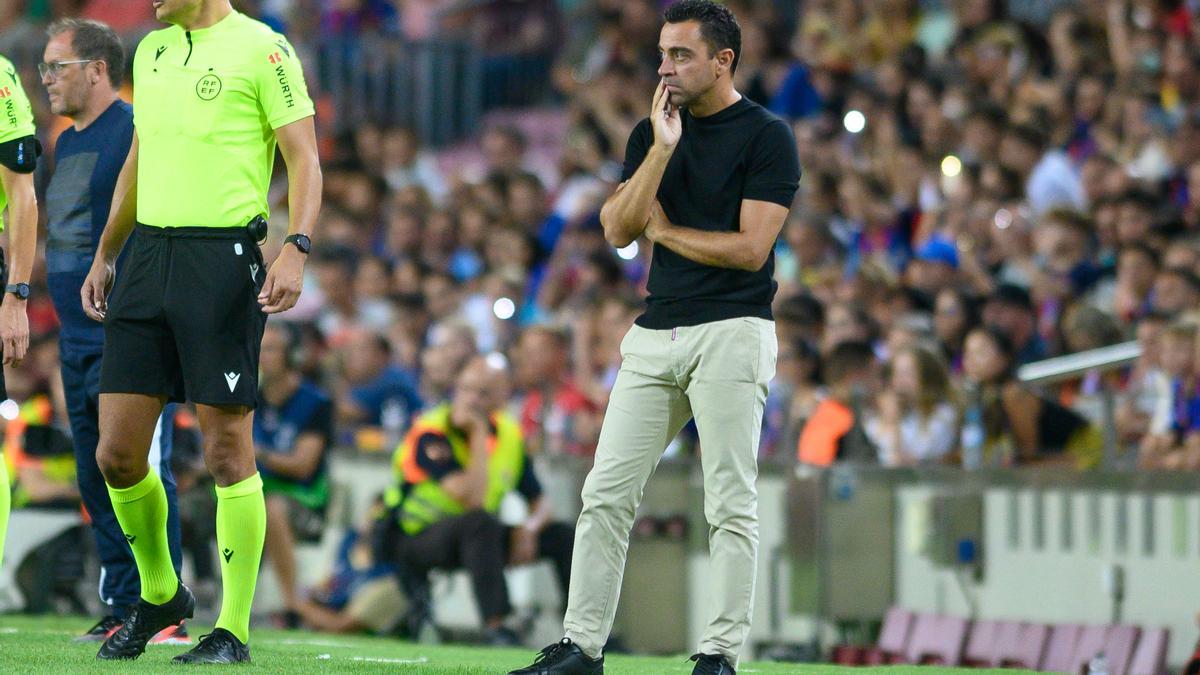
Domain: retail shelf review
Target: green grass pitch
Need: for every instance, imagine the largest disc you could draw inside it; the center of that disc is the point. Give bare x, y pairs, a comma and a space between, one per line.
43, 645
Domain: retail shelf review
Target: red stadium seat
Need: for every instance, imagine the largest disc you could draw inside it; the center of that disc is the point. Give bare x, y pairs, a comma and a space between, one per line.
1119, 648
1150, 657
1092, 641
937, 639
1060, 651
893, 640
1020, 645
981, 644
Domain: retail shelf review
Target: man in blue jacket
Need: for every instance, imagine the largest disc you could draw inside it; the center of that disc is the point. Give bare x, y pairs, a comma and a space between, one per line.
84, 64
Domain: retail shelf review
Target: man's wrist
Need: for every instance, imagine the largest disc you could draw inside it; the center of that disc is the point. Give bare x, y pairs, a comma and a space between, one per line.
662, 152
300, 242
17, 291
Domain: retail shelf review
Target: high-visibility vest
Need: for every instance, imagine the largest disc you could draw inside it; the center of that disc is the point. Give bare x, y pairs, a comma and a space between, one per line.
37, 411
420, 500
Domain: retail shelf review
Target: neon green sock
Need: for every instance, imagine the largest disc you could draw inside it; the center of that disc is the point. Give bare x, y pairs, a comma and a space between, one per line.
5, 498
241, 527
142, 512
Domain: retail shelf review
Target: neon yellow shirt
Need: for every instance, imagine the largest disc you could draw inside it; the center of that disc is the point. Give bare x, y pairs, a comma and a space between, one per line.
207, 104
16, 116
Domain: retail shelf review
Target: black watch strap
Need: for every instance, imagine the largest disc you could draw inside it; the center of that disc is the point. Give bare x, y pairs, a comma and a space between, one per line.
301, 241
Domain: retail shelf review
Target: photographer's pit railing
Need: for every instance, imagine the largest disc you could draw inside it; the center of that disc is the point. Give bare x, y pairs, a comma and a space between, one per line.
1073, 366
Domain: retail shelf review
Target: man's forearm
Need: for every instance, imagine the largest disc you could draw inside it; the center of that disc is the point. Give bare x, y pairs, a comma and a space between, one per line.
477, 472
626, 213
22, 235
539, 515
121, 217
716, 249
304, 195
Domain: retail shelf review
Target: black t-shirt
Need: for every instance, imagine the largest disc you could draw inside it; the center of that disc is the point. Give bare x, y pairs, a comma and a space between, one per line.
741, 152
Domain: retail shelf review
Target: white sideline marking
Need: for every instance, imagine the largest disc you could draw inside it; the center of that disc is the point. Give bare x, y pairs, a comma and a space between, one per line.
9, 631
374, 659
291, 642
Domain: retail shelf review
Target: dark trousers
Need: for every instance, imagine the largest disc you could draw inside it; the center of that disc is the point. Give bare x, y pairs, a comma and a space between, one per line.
120, 586
480, 543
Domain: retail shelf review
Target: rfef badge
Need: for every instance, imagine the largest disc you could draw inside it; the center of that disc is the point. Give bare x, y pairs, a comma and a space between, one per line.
208, 87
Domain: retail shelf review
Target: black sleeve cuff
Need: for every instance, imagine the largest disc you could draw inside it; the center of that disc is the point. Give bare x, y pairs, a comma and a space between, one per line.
21, 154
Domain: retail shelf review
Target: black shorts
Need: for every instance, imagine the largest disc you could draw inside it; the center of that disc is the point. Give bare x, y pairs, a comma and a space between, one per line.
183, 318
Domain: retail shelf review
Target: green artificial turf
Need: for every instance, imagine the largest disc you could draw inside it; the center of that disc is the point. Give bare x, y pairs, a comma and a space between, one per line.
43, 645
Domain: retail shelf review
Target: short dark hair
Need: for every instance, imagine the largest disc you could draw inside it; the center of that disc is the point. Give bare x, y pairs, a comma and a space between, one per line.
94, 41
718, 26
1028, 134
846, 359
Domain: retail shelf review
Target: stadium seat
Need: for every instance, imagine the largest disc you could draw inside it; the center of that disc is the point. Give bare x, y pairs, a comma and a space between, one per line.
1020, 645
1150, 657
1119, 648
1060, 650
1092, 640
893, 639
937, 639
981, 644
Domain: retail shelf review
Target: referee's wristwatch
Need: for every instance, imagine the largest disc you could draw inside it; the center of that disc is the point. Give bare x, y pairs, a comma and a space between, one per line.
301, 241
19, 290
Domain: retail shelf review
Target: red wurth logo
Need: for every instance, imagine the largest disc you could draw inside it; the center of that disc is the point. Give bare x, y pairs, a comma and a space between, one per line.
5, 92
275, 58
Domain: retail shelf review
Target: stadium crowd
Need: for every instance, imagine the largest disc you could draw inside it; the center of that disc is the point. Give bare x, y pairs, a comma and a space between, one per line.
986, 184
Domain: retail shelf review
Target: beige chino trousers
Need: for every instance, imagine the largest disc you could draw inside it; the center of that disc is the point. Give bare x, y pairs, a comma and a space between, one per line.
718, 373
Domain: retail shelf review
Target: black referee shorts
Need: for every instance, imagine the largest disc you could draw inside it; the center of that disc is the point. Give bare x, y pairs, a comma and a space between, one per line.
183, 318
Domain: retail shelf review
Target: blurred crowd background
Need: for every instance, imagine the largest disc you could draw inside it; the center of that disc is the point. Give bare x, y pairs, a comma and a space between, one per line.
986, 184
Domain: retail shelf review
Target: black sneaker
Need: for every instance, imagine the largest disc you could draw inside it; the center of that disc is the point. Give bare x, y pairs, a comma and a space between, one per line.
219, 646
501, 637
145, 621
100, 632
563, 658
709, 664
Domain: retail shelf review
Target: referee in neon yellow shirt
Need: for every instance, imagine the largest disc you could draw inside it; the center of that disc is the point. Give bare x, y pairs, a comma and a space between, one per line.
19, 151
214, 94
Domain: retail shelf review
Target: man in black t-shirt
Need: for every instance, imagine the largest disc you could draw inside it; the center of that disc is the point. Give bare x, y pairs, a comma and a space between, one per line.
709, 178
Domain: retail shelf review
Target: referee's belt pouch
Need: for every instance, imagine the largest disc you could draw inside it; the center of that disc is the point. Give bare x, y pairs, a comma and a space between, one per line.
257, 229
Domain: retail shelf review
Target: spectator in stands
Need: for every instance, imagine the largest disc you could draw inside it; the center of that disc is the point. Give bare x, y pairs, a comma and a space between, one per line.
40, 456
378, 393
1137, 269
1021, 427
1161, 448
917, 417
955, 314
1145, 407
1176, 290
934, 267
452, 470
556, 417
334, 267
1050, 180
405, 164
794, 396
360, 594
848, 323
1010, 309
834, 432
504, 151
800, 317
293, 431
